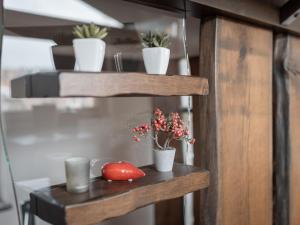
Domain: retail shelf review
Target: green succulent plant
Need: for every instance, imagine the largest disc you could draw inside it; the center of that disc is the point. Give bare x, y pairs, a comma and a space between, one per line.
154, 39
90, 31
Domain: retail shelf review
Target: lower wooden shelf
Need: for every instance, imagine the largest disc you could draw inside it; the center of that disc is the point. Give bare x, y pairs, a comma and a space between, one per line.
106, 200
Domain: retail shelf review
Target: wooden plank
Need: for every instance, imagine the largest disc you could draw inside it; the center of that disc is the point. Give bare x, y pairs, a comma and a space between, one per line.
260, 13
105, 200
287, 120
257, 10
170, 5
205, 127
294, 119
169, 212
235, 123
281, 134
72, 84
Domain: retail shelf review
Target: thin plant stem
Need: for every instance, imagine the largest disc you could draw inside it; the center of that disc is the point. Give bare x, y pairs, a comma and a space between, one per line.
169, 141
156, 141
166, 143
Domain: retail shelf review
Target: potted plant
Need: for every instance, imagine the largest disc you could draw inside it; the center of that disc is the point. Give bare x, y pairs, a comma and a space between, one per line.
156, 54
89, 48
170, 128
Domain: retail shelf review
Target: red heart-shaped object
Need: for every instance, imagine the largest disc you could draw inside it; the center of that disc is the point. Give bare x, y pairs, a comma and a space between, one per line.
121, 171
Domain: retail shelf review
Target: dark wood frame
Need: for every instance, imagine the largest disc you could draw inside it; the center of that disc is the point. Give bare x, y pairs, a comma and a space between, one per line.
258, 13
235, 123
281, 133
286, 130
289, 12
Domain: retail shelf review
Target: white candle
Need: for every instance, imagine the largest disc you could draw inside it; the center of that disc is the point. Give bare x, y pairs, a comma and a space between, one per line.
77, 174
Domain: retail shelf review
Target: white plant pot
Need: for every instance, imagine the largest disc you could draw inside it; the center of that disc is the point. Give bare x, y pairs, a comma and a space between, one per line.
164, 159
89, 54
156, 60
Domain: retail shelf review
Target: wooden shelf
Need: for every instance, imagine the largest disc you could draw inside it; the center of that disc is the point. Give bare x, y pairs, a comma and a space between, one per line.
81, 84
106, 200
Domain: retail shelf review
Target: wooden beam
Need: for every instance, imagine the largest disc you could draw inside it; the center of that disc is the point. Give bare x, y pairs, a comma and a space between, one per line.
287, 130
85, 84
281, 133
170, 5
235, 123
256, 10
260, 13
289, 12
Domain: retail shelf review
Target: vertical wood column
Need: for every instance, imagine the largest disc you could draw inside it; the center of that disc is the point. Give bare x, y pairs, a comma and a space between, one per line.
235, 123
287, 130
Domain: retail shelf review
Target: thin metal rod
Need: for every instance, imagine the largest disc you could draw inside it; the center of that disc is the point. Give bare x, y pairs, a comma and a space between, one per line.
188, 200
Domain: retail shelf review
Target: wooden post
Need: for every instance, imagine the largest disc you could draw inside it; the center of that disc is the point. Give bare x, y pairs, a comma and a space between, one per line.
287, 130
235, 123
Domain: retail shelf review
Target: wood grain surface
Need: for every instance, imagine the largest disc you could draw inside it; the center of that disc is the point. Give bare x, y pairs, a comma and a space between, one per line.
263, 13
80, 84
130, 83
235, 123
287, 120
106, 200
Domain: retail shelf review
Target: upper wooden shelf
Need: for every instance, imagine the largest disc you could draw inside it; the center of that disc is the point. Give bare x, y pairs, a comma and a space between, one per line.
83, 84
106, 200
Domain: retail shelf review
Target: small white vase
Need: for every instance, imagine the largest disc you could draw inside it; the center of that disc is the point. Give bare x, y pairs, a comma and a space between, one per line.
164, 159
89, 54
156, 60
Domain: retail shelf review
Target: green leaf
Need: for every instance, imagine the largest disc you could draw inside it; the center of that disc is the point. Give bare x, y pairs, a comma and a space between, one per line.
156, 43
77, 34
101, 36
145, 45
89, 31
152, 39
86, 31
79, 28
93, 28
102, 33
97, 29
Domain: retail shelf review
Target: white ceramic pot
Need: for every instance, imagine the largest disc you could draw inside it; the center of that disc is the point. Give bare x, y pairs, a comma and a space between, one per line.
89, 54
164, 159
156, 60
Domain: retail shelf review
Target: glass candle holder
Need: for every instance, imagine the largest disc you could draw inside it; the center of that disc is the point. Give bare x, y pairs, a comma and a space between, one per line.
118, 62
77, 174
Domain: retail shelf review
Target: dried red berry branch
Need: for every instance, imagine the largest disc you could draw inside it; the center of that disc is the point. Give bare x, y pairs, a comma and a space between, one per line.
172, 127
